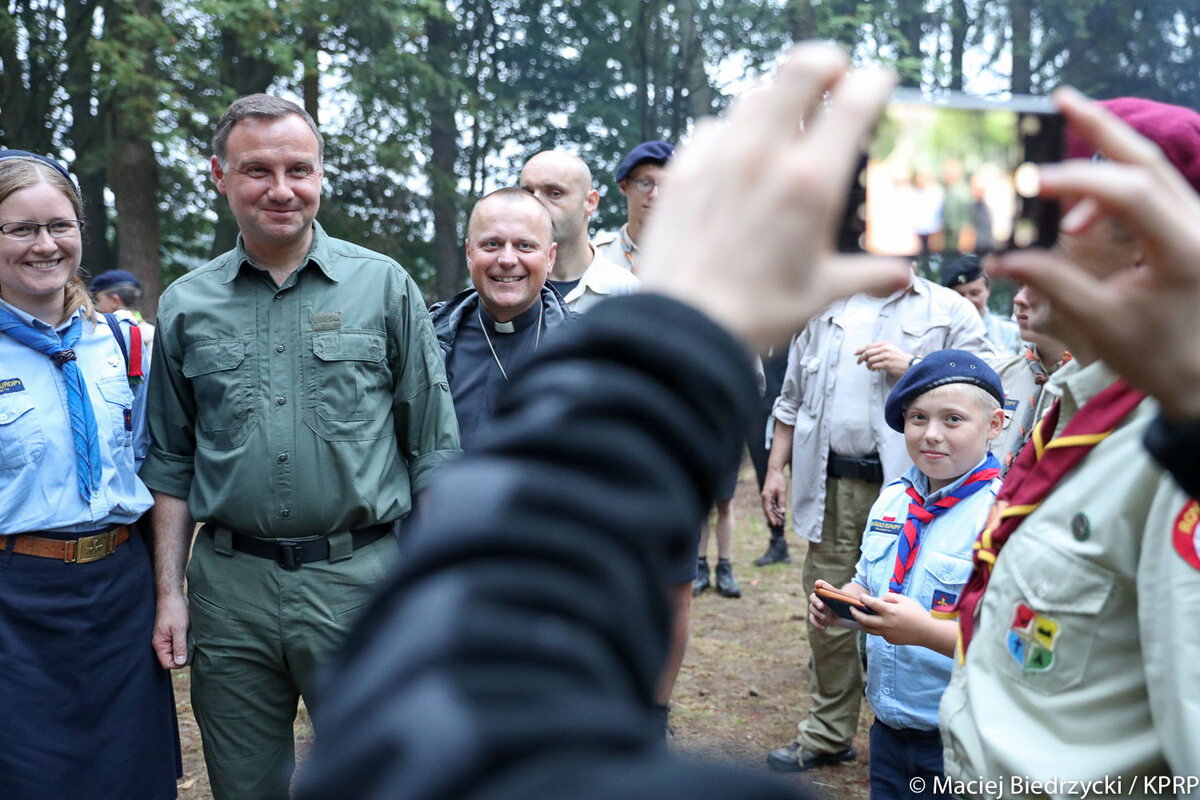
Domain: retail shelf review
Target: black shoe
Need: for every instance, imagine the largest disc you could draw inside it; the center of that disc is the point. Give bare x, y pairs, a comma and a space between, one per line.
727, 585
663, 714
777, 550
701, 581
794, 758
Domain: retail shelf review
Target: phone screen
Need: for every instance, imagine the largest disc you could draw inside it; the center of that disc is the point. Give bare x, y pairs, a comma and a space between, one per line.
954, 175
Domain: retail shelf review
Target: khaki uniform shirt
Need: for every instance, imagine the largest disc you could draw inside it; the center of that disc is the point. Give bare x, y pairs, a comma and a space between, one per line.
919, 320
602, 279
315, 407
618, 248
1085, 661
1025, 403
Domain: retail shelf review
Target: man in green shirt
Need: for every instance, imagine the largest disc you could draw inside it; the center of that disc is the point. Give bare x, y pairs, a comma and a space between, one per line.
299, 400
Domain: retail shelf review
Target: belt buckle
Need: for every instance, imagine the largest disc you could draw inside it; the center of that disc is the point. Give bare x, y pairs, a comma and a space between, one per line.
93, 548
291, 555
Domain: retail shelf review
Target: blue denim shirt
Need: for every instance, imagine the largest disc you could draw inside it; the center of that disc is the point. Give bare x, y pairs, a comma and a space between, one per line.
905, 683
38, 487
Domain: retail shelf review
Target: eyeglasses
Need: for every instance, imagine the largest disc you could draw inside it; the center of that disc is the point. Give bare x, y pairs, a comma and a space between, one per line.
644, 186
26, 231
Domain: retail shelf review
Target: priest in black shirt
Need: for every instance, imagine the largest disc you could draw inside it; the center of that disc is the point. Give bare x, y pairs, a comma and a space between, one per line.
489, 331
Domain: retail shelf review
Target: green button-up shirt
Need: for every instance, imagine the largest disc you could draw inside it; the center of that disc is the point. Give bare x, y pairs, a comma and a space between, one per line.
303, 409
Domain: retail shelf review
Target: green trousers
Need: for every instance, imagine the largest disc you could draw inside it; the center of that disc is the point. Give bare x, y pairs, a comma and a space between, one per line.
258, 635
836, 678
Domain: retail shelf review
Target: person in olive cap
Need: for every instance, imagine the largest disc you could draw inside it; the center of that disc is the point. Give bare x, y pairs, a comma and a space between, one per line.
965, 275
638, 178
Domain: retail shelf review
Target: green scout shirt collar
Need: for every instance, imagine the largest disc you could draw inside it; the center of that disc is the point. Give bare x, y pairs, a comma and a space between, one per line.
318, 253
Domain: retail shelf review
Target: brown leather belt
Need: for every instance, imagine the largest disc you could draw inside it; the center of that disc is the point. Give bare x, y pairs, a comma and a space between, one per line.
74, 551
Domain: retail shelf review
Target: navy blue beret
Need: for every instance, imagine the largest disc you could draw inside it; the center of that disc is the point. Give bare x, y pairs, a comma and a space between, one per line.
655, 151
114, 277
49, 162
963, 269
938, 369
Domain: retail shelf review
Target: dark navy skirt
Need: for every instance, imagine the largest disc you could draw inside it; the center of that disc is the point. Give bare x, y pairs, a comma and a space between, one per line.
86, 712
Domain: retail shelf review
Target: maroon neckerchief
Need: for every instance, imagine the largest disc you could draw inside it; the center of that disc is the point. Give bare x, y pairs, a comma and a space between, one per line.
1033, 476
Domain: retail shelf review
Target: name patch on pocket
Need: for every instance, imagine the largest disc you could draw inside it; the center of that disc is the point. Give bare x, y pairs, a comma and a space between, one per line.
10, 385
884, 526
331, 321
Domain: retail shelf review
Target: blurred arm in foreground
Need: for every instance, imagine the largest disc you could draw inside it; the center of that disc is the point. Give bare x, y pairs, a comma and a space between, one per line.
515, 652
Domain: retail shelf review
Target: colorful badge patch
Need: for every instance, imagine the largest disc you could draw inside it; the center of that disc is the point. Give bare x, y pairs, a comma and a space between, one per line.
128, 419
886, 526
1031, 639
10, 385
1010, 405
1185, 534
943, 601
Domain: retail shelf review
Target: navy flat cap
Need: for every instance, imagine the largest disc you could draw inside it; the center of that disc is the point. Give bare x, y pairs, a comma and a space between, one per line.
114, 277
939, 369
655, 152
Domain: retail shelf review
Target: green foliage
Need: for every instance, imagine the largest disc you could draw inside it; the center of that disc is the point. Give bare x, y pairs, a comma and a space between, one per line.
426, 104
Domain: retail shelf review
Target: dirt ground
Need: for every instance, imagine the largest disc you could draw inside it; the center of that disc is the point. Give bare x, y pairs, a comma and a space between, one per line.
744, 682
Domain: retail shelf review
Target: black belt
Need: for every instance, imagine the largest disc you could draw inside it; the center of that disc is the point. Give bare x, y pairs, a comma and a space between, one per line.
290, 554
865, 468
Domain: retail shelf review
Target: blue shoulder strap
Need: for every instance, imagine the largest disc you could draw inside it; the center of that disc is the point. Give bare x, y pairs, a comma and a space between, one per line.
111, 319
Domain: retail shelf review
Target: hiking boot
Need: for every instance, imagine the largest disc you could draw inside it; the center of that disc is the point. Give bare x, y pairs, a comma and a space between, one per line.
727, 585
794, 758
701, 581
777, 550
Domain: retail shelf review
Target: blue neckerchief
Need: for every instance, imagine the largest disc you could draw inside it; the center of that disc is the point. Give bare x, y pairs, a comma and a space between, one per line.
83, 420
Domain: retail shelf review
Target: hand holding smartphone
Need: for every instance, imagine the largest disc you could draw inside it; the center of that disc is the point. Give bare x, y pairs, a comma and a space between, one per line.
954, 174
841, 603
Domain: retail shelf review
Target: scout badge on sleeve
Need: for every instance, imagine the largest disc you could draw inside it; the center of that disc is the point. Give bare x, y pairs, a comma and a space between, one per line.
1185, 536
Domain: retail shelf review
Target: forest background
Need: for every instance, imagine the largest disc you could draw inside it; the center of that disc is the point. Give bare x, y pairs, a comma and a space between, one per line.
427, 104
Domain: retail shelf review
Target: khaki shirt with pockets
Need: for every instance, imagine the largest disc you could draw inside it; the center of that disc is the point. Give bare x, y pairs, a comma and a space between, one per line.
1085, 661
315, 407
919, 320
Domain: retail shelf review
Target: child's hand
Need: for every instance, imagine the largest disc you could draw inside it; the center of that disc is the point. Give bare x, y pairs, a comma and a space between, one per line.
898, 618
820, 616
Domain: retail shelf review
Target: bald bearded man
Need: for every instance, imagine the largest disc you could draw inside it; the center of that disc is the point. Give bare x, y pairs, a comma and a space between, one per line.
581, 274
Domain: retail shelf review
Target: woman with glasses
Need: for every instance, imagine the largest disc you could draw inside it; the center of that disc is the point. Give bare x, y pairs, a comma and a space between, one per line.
86, 711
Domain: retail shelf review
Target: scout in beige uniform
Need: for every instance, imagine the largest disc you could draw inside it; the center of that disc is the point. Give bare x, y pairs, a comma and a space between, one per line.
1081, 660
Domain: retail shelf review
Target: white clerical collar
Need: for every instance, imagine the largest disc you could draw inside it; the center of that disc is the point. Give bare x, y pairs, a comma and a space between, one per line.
518, 323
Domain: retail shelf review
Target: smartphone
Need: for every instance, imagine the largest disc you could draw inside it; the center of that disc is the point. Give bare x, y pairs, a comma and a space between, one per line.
954, 174
840, 602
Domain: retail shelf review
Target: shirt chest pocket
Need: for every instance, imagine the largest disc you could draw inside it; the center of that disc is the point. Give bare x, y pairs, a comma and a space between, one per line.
349, 386
1054, 616
923, 336
221, 378
813, 388
118, 399
22, 440
944, 575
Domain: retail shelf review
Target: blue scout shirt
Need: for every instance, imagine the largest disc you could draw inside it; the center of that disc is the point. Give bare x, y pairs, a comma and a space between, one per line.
905, 683
38, 486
